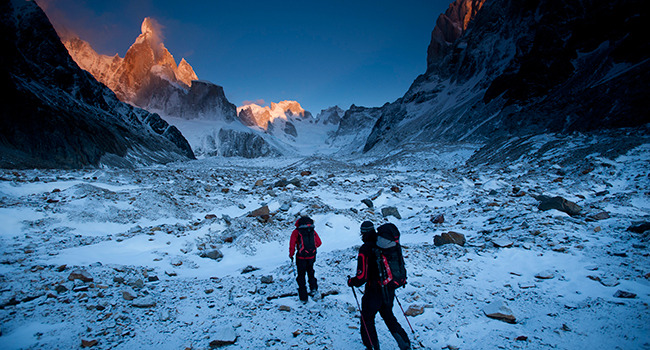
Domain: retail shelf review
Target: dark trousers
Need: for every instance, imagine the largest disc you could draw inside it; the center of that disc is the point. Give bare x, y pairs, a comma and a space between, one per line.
377, 300
305, 266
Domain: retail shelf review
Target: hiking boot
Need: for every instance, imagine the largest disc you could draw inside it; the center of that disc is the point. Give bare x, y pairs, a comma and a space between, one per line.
314, 294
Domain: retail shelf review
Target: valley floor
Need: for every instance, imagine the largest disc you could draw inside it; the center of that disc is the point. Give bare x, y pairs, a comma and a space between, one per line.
139, 247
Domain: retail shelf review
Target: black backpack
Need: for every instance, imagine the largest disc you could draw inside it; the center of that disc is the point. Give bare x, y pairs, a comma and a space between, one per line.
390, 261
306, 242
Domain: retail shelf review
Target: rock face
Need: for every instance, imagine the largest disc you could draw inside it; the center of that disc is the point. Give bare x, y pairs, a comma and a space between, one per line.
330, 115
57, 115
450, 26
278, 118
502, 70
148, 77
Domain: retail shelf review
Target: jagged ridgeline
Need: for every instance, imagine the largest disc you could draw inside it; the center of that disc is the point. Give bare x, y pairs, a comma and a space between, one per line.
56, 115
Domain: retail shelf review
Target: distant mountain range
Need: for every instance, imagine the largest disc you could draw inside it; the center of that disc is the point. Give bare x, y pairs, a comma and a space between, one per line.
56, 115
497, 70
503, 69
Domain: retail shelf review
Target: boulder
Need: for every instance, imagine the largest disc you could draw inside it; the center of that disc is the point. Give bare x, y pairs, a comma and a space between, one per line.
499, 311
214, 254
144, 302
600, 216
222, 336
438, 219
249, 269
79, 274
414, 310
450, 237
502, 243
639, 227
367, 202
127, 295
545, 275
267, 279
558, 203
89, 343
259, 183
262, 213
390, 211
623, 294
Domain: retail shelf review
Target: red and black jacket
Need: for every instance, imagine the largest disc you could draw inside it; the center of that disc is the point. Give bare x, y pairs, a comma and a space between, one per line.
367, 270
296, 244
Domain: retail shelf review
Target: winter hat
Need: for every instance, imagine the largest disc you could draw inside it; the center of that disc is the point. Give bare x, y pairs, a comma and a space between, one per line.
368, 233
304, 221
367, 227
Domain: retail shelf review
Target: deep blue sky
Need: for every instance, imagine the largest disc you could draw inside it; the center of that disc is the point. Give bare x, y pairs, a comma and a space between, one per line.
319, 53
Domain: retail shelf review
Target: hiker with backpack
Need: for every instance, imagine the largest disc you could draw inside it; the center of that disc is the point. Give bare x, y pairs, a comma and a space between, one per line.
304, 241
380, 265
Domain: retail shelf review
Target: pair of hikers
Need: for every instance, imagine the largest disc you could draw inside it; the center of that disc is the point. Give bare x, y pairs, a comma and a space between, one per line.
373, 270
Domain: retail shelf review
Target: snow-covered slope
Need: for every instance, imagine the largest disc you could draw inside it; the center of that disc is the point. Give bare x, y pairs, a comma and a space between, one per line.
148, 77
293, 128
57, 115
502, 69
159, 257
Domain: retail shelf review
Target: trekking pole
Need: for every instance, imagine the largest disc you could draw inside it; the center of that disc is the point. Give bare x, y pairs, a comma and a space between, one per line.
362, 320
404, 313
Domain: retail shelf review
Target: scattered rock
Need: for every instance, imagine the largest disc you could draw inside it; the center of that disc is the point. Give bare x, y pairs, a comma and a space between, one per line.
414, 310
313, 183
396, 189
60, 289
88, 343
305, 173
262, 213
527, 285
223, 336
600, 216
367, 202
267, 279
450, 237
521, 338
214, 254
558, 203
249, 269
127, 296
502, 243
499, 311
545, 275
259, 183
79, 274
639, 227
144, 302
284, 308
623, 294
153, 278
388, 211
210, 216
438, 219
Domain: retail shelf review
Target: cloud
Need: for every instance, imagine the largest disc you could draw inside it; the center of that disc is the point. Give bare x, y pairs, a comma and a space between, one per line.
259, 102
154, 30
